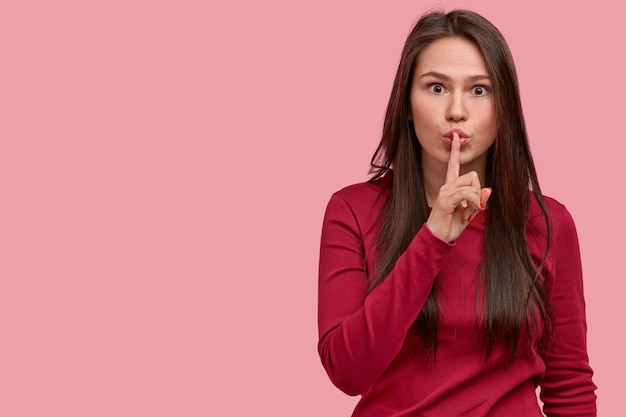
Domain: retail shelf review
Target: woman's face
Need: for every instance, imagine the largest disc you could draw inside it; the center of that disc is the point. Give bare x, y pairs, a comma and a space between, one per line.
451, 91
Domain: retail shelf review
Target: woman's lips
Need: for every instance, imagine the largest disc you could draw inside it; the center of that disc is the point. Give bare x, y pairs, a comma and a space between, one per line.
463, 138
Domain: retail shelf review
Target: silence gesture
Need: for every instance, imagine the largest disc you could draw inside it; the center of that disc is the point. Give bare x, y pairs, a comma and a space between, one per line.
458, 200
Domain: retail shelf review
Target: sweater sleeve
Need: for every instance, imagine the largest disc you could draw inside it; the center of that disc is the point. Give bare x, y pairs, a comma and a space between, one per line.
567, 388
361, 333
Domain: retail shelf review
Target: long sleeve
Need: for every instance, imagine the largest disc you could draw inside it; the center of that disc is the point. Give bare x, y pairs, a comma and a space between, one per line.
361, 333
567, 388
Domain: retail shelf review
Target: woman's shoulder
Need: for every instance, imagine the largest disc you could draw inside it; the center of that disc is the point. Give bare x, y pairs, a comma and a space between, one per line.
559, 215
365, 192
554, 207
362, 199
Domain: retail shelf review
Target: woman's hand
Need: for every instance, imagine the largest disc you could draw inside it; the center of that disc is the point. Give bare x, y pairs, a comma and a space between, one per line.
458, 200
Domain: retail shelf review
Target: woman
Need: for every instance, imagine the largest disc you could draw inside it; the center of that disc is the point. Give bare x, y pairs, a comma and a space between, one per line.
449, 285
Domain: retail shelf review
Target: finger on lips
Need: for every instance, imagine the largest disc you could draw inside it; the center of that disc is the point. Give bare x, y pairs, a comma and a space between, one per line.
471, 197
454, 163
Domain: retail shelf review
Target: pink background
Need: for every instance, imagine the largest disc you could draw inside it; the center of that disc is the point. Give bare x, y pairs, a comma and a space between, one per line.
164, 169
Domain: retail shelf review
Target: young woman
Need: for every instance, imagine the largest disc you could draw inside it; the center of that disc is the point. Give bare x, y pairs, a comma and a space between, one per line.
449, 285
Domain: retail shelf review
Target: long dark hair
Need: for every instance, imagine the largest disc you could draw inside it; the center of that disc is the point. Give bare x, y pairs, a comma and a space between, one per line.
514, 297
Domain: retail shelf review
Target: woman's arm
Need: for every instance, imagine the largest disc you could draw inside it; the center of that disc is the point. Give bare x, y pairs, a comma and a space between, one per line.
361, 333
567, 388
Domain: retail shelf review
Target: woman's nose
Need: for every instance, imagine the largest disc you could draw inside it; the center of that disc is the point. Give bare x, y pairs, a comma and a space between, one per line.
456, 109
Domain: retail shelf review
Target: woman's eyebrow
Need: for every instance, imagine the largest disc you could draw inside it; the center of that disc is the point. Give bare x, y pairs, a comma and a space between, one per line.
445, 77
478, 77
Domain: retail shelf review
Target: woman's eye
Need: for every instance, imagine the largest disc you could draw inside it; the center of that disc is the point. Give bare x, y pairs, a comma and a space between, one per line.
479, 90
436, 88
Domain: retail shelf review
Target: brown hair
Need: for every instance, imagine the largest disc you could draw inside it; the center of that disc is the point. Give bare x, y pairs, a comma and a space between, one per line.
514, 298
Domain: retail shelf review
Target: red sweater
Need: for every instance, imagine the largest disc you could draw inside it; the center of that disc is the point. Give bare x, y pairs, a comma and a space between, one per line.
366, 346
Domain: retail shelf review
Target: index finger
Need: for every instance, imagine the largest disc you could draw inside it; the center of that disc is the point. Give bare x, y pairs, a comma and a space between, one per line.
454, 163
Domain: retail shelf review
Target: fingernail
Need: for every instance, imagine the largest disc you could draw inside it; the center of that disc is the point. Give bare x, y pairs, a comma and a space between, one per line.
481, 205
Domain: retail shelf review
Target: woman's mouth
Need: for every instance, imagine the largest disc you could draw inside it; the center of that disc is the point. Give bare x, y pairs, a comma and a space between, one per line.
448, 136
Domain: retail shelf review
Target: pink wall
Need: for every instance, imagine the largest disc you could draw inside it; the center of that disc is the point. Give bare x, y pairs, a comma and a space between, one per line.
164, 171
